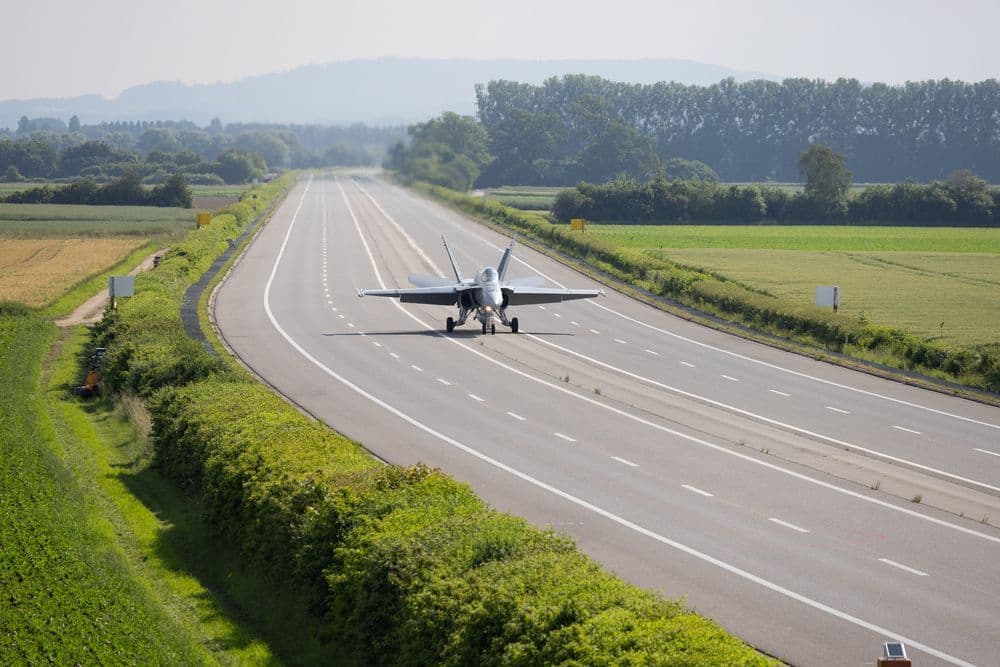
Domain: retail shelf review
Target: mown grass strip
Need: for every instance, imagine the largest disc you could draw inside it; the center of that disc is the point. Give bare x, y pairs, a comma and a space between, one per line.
402, 565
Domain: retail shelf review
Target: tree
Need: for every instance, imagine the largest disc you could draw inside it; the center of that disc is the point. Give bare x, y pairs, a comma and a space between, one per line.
23, 126
827, 180
12, 175
236, 166
173, 192
74, 124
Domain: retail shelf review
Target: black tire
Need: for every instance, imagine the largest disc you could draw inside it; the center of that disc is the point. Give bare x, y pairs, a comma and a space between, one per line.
484, 327
513, 325
450, 324
493, 329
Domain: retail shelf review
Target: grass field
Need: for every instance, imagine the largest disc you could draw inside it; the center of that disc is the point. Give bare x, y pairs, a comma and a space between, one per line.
912, 278
54, 220
524, 197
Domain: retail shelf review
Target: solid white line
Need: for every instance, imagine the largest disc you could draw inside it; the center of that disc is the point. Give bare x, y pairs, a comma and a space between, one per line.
788, 525
684, 363
594, 331
908, 430
833, 409
625, 461
697, 490
985, 451
476, 398
742, 356
394, 355
417, 368
779, 393
904, 567
656, 354
444, 382
619, 340
517, 416
729, 377
766, 420
564, 437
409, 239
579, 501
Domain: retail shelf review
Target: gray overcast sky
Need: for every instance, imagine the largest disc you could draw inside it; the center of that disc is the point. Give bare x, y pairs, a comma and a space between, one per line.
57, 48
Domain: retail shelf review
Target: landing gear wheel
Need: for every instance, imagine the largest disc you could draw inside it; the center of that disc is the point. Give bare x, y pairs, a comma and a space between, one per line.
513, 325
493, 329
450, 324
484, 327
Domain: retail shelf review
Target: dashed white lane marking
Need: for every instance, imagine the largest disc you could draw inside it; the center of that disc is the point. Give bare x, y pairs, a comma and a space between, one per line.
908, 430
564, 437
728, 567
655, 354
350, 324
788, 525
684, 363
986, 451
394, 355
476, 398
730, 378
376, 343
625, 461
594, 331
417, 368
543, 307
697, 490
334, 309
779, 393
556, 315
444, 382
833, 409
576, 324
905, 568
329, 302
619, 340
340, 316
517, 416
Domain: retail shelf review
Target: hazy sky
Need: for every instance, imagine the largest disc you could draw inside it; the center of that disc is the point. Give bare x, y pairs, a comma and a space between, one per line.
57, 48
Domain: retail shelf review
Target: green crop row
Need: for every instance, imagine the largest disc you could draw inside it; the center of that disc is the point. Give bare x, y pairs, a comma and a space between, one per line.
975, 366
69, 597
404, 565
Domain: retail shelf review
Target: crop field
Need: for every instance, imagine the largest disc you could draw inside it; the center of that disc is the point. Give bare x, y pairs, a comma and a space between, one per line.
54, 220
528, 198
36, 271
939, 283
68, 597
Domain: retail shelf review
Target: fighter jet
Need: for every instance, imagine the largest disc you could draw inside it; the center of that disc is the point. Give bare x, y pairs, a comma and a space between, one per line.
487, 295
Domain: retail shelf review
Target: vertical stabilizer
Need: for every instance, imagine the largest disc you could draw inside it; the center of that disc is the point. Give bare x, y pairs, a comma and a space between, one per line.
454, 264
505, 260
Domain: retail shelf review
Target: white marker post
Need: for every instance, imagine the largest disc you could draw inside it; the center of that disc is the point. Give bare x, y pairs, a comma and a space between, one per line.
120, 286
828, 296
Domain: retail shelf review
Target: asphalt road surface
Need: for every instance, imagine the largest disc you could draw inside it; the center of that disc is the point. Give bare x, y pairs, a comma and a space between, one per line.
814, 511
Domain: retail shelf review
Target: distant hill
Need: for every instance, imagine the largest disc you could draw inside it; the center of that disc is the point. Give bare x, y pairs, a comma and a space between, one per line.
385, 91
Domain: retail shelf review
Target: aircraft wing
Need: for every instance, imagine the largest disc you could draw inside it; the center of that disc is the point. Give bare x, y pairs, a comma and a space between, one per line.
441, 296
521, 296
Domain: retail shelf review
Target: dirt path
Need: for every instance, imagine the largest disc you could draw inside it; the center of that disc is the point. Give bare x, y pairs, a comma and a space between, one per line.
92, 310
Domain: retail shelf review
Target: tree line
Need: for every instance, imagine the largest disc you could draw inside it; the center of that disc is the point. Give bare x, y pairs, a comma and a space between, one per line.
962, 199
126, 190
585, 128
235, 153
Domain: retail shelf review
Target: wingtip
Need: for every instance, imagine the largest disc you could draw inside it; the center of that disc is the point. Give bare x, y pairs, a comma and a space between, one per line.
361, 293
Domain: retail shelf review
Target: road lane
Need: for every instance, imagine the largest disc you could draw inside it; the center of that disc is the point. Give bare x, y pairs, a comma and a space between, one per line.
735, 527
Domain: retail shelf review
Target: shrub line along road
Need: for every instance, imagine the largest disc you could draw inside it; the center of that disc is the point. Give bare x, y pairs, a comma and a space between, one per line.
682, 458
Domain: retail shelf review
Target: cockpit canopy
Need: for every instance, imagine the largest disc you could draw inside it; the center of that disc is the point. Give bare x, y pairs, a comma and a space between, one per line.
489, 273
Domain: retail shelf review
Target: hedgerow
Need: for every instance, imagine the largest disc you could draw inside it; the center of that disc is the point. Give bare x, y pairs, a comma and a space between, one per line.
405, 565
977, 367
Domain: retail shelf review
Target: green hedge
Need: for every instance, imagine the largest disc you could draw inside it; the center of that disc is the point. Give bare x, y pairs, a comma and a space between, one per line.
404, 565
977, 367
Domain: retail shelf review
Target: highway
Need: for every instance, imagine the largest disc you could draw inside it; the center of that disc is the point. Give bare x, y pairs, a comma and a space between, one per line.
814, 511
